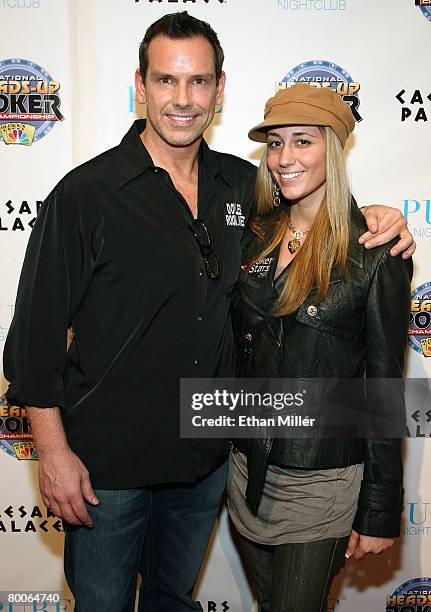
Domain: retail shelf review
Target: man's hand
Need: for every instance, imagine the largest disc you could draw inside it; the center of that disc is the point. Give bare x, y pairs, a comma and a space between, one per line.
385, 223
64, 485
63, 479
360, 545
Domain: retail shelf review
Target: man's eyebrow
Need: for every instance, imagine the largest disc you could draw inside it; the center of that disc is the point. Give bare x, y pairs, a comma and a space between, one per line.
161, 75
206, 75
165, 75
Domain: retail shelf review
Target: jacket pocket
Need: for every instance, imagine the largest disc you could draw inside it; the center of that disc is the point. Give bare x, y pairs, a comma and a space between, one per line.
338, 314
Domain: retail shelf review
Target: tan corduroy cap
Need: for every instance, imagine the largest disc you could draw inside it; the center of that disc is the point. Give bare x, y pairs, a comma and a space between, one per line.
303, 104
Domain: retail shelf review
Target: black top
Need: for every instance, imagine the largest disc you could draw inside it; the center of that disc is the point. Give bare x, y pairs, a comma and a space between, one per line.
113, 257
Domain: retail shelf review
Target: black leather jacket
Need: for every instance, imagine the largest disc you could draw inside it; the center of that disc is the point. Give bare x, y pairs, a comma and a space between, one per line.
361, 324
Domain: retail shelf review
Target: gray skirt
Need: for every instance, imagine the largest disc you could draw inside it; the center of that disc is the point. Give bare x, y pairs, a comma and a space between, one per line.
297, 505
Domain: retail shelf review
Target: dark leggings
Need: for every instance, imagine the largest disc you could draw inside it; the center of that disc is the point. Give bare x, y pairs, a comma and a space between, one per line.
293, 577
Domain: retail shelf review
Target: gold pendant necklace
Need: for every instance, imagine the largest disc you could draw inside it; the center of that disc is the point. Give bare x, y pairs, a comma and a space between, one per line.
295, 244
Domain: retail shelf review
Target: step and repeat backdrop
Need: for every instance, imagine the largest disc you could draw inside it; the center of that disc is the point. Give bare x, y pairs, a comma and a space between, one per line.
66, 94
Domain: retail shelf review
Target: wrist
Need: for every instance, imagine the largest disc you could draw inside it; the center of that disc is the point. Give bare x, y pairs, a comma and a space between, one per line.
48, 432
51, 451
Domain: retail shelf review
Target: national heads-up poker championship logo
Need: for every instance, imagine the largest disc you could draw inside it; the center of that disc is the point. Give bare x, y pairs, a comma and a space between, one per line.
420, 320
29, 102
322, 73
412, 596
15, 433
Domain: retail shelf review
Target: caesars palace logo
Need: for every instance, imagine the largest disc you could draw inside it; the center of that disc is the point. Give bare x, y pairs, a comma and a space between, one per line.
28, 519
416, 105
323, 73
214, 606
18, 215
29, 102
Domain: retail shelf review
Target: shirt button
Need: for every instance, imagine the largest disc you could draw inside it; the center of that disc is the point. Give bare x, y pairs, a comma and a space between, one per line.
201, 273
195, 361
156, 170
199, 318
312, 310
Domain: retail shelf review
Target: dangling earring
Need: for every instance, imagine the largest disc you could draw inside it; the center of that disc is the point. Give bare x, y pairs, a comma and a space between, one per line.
275, 195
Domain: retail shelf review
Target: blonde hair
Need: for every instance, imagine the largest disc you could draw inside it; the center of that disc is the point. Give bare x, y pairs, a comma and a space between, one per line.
327, 241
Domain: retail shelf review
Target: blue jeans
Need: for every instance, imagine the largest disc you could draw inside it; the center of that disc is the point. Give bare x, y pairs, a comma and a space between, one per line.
161, 532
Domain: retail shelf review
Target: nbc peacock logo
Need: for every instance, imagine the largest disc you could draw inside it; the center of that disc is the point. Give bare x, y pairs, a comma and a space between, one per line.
17, 133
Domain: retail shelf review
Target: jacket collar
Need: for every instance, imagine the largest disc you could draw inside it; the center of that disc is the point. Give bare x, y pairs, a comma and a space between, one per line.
134, 159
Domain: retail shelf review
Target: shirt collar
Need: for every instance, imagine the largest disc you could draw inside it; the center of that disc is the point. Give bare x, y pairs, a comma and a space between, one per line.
212, 163
134, 159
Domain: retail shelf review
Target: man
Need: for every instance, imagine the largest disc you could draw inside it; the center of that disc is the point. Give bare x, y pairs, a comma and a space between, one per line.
132, 251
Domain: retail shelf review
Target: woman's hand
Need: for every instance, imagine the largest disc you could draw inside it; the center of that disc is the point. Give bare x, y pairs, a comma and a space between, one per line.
360, 545
384, 224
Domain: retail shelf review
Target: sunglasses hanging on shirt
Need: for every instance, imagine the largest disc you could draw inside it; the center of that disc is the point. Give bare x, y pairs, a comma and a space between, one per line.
200, 232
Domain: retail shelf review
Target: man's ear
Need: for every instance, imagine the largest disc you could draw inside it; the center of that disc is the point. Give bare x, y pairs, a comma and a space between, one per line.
140, 88
220, 89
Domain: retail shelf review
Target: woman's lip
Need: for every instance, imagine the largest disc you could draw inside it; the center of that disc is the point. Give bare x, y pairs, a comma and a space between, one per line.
288, 177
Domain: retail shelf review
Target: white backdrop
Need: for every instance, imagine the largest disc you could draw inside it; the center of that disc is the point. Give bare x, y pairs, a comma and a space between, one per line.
90, 48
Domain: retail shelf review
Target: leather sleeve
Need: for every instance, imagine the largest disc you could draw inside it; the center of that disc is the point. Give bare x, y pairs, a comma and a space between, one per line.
387, 322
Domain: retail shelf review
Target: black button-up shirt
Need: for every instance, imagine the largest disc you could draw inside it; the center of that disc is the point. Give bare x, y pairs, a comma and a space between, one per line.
112, 256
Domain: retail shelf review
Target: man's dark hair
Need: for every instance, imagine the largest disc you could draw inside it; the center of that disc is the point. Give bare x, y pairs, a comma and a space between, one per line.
177, 26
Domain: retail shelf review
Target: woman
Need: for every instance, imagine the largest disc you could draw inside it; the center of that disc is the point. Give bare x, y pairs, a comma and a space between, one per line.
312, 303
